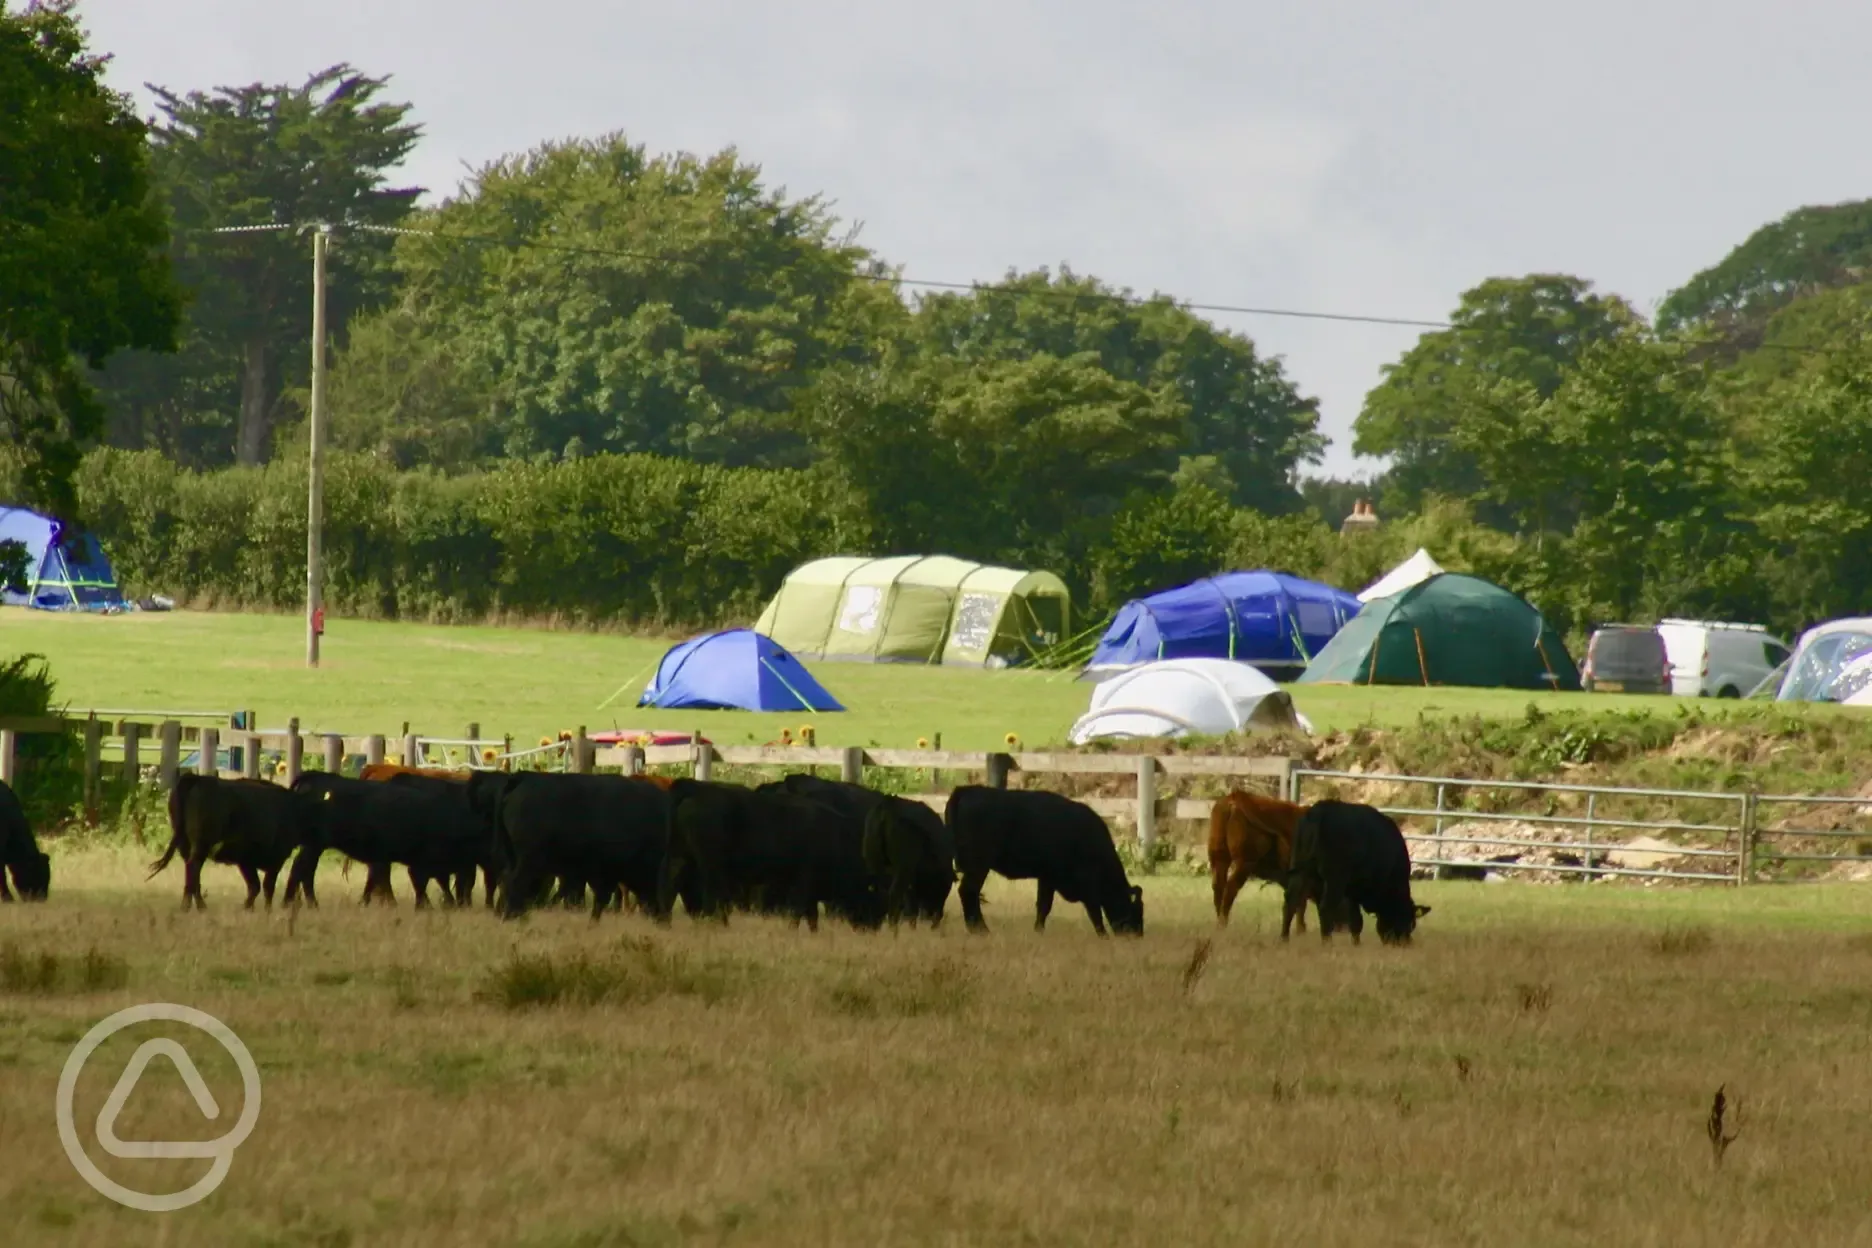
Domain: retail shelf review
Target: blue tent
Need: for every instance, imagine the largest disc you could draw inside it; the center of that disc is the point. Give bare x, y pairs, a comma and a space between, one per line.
736, 670
1271, 620
65, 568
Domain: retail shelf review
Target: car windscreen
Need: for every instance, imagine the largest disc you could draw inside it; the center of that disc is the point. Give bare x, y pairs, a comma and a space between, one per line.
1627, 653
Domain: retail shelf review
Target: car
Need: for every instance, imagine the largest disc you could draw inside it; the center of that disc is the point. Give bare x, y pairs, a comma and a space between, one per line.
1716, 659
1626, 658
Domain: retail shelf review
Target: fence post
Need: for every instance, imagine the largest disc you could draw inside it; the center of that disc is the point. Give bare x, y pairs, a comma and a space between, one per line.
1745, 836
132, 762
1290, 791
1591, 802
936, 777
209, 763
373, 751
295, 752
8, 754
93, 760
412, 750
703, 756
1442, 846
998, 767
633, 760
582, 756
250, 756
851, 766
1147, 806
334, 753
169, 754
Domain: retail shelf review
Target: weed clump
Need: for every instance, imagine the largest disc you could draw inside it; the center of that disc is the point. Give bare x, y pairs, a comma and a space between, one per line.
944, 987
45, 974
641, 970
1675, 940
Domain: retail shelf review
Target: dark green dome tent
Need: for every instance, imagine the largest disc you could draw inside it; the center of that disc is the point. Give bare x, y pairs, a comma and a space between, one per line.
1448, 630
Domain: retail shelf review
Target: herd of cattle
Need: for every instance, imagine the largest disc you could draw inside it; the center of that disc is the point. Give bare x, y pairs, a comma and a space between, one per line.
787, 848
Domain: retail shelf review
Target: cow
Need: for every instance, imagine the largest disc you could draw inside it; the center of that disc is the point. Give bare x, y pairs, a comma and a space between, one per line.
379, 823
452, 790
909, 847
20, 853
607, 832
384, 771
766, 849
1250, 837
249, 824
1352, 860
1034, 835
906, 846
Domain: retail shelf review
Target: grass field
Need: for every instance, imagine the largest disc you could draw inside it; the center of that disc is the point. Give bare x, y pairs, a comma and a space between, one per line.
376, 676
1536, 1070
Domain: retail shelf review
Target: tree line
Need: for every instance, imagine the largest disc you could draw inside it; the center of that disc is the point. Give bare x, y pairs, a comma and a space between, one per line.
590, 317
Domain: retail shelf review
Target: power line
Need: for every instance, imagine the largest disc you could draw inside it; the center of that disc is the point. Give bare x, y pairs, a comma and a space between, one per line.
900, 280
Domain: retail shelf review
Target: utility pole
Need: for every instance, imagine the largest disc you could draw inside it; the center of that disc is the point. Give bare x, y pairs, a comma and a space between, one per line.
315, 465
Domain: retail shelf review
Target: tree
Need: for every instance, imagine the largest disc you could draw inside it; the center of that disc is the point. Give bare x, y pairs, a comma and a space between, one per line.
1162, 539
82, 268
1242, 410
262, 155
1519, 332
1812, 249
598, 298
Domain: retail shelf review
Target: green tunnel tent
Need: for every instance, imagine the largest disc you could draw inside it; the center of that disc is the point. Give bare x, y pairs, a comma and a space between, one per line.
917, 609
1447, 630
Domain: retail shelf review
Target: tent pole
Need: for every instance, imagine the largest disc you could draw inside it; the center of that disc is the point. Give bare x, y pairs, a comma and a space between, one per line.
1422, 667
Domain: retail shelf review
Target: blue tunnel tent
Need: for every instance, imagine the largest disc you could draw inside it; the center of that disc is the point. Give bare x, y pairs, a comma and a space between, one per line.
735, 670
1271, 620
65, 567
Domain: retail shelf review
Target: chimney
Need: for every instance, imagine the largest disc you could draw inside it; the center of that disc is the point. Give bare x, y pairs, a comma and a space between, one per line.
1362, 520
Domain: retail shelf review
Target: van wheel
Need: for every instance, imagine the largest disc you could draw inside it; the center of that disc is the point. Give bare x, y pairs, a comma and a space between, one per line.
1729, 691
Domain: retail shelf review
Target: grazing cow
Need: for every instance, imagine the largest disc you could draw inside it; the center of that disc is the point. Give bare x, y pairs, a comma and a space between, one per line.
907, 848
249, 824
1353, 861
1250, 837
19, 853
432, 835
607, 832
1033, 835
767, 849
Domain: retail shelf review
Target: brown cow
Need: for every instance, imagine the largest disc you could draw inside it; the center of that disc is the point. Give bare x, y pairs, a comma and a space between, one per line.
1250, 837
383, 771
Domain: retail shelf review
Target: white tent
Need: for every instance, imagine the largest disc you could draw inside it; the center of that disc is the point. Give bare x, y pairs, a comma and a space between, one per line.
1415, 570
1832, 663
1174, 697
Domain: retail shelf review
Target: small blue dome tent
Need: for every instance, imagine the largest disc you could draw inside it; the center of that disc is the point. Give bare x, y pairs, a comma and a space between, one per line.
65, 568
1270, 620
736, 670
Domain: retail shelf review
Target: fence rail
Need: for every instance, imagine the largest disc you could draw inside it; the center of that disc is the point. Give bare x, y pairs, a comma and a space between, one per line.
1755, 835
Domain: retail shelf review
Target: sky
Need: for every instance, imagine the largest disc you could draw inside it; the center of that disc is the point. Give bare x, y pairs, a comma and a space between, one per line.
1365, 157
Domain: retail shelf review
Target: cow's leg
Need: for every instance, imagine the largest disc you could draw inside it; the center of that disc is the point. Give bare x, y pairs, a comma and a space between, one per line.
487, 879
1232, 885
1332, 902
1354, 919
1092, 909
1220, 864
970, 891
267, 882
5, 894
1043, 903
191, 882
1293, 904
252, 877
419, 884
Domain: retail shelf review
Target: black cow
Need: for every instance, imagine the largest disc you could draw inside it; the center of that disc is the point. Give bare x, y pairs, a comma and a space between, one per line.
249, 824
432, 835
909, 846
767, 849
607, 832
476, 824
19, 853
1033, 835
1352, 860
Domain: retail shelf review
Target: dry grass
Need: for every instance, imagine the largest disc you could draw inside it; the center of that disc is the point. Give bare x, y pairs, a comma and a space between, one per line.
1536, 1070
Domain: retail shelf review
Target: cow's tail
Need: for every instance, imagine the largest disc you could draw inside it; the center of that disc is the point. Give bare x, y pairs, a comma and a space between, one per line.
178, 822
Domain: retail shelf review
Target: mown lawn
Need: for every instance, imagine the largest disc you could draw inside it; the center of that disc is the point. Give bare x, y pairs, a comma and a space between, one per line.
376, 676
1536, 1070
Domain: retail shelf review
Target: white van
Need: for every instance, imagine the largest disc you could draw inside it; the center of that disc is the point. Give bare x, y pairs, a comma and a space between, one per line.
1712, 659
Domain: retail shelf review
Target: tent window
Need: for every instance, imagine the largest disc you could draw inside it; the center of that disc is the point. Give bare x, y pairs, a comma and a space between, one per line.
1316, 617
859, 612
975, 621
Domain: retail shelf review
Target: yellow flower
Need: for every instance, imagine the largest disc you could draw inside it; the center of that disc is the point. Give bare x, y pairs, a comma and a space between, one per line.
546, 741
487, 755
922, 743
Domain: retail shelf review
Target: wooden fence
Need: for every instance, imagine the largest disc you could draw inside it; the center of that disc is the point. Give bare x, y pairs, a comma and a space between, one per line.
136, 742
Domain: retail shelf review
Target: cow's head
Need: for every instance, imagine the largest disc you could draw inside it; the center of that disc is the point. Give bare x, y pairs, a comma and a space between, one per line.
1128, 919
1395, 927
32, 876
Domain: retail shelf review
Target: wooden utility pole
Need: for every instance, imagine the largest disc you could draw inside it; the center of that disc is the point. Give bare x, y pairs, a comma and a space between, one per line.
315, 465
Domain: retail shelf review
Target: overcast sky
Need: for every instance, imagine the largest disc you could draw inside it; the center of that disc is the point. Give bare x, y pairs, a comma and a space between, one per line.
1354, 156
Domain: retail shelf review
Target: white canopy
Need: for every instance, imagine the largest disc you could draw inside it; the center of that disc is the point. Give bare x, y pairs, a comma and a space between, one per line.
1415, 570
1175, 697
